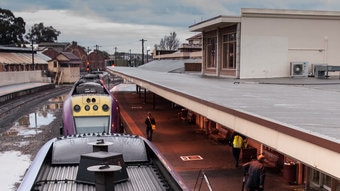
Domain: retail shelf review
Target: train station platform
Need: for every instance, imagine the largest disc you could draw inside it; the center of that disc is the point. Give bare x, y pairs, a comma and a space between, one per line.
188, 149
17, 90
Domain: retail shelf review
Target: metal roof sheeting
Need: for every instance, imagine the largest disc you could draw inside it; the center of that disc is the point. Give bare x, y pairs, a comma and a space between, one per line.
22, 58
61, 178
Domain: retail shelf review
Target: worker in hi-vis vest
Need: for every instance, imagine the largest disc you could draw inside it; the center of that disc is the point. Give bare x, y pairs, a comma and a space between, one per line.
237, 143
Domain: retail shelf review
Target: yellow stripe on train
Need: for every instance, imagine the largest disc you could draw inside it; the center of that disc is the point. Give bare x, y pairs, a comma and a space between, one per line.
91, 105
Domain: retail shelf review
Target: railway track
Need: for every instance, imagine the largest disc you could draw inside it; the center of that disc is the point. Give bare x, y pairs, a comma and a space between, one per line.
12, 110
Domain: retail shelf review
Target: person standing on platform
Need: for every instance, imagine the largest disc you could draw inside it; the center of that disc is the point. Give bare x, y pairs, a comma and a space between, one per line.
149, 121
236, 144
255, 173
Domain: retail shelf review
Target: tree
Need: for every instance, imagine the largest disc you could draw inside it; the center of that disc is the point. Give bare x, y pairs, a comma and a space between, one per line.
105, 54
170, 42
12, 28
39, 33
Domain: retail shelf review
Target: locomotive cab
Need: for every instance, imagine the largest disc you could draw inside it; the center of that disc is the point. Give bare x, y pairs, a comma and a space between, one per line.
91, 113
90, 108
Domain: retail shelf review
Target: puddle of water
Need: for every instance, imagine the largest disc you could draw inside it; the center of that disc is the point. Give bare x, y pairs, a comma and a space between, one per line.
12, 170
28, 125
59, 99
22, 131
22, 143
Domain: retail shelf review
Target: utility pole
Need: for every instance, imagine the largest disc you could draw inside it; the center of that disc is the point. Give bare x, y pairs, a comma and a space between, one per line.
143, 40
97, 62
97, 48
115, 60
130, 61
32, 55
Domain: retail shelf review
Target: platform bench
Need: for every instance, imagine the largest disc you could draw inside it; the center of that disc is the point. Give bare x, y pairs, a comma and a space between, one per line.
220, 136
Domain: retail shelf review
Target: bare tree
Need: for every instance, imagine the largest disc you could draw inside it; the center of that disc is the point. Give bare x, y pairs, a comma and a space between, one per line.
170, 42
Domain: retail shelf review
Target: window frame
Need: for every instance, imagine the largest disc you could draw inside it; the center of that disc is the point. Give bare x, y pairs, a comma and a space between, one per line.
211, 52
229, 50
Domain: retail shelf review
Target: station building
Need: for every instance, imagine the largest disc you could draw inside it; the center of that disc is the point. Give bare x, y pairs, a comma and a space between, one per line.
268, 43
21, 65
286, 123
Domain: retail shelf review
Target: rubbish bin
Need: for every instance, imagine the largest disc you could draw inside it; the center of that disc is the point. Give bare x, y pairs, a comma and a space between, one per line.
289, 172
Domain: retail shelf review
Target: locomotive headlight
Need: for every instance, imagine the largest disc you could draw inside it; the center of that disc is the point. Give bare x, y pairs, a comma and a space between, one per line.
105, 107
76, 108
95, 107
93, 100
87, 107
88, 100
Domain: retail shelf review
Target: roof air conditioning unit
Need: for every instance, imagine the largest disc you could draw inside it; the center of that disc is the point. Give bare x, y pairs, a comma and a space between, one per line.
299, 69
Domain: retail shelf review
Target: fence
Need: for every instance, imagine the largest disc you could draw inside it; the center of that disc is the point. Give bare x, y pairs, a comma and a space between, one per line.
18, 77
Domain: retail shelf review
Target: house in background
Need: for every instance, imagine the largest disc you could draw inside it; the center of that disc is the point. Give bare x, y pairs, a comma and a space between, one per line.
96, 60
188, 57
52, 49
81, 53
65, 68
192, 49
268, 43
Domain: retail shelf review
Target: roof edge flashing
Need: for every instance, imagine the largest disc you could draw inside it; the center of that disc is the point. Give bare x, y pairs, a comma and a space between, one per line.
221, 19
288, 13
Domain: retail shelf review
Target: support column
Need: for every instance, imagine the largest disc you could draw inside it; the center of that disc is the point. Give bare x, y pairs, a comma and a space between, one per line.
300, 174
144, 95
153, 100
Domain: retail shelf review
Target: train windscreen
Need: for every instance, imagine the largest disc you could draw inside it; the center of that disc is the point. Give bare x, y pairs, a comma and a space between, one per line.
92, 124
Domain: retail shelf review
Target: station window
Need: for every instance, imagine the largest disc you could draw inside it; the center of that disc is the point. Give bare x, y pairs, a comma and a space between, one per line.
319, 180
229, 51
211, 52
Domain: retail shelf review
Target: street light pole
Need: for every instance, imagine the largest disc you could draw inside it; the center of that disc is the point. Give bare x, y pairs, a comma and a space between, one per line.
147, 54
143, 40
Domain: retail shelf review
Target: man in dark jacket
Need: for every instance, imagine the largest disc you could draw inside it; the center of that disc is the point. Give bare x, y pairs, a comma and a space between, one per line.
149, 121
256, 174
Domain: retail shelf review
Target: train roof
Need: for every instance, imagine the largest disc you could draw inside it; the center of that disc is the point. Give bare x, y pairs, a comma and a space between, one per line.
91, 83
63, 163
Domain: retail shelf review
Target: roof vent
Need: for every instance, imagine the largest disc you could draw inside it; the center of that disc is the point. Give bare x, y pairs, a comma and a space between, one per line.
100, 158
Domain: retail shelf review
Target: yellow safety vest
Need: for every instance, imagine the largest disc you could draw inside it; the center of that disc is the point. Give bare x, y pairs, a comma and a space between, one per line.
238, 142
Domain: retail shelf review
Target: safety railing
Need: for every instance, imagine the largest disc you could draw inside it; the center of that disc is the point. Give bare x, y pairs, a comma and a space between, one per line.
199, 181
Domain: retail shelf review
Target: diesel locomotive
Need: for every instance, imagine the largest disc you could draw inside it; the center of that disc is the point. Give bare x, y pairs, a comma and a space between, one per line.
90, 107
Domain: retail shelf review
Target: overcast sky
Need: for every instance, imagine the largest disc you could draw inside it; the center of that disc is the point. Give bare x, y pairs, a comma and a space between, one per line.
123, 23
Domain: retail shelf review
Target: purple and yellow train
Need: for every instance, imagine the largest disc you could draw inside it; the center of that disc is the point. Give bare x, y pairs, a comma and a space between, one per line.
90, 107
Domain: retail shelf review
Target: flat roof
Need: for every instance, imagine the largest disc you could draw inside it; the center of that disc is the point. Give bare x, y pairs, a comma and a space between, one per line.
289, 13
304, 109
215, 22
227, 20
312, 106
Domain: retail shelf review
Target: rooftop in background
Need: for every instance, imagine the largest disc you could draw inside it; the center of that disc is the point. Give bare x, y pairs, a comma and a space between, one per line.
16, 55
16, 49
168, 65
